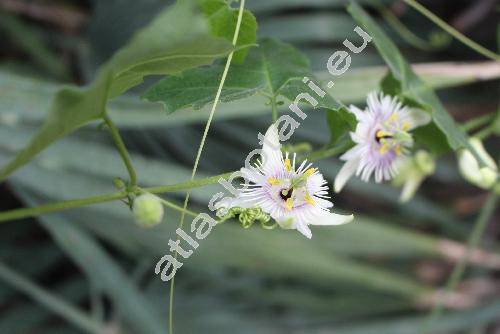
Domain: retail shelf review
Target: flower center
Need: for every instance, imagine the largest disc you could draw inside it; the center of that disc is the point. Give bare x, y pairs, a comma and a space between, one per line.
382, 135
292, 192
391, 138
286, 194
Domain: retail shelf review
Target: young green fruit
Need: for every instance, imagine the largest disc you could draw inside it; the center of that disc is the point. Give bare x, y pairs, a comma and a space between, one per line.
148, 210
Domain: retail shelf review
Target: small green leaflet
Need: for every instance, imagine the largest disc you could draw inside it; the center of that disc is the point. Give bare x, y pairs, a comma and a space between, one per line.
411, 86
178, 39
272, 69
222, 19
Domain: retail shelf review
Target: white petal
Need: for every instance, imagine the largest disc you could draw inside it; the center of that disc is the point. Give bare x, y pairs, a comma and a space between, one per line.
231, 202
304, 229
271, 148
357, 112
345, 173
330, 218
418, 117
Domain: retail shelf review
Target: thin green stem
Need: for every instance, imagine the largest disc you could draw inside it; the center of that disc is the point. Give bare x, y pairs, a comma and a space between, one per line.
485, 133
200, 150
59, 206
171, 205
188, 185
72, 204
53, 303
328, 152
459, 270
478, 122
191, 184
178, 208
115, 134
274, 108
452, 31
406, 33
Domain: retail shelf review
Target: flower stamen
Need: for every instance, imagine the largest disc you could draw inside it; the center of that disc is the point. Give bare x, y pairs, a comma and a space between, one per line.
273, 181
310, 172
383, 149
309, 199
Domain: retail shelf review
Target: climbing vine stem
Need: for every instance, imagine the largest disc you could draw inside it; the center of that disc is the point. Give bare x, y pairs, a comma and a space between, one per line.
120, 145
452, 31
200, 150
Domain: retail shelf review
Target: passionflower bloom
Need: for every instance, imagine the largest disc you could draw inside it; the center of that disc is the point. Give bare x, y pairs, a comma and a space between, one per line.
295, 197
382, 137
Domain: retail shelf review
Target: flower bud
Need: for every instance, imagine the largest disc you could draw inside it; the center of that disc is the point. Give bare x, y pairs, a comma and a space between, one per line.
148, 210
484, 177
412, 172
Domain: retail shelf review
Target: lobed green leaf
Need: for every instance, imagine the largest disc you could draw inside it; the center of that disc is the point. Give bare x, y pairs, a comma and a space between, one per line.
178, 39
223, 19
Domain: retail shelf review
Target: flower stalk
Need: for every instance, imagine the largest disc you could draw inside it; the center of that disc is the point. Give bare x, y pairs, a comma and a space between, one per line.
120, 145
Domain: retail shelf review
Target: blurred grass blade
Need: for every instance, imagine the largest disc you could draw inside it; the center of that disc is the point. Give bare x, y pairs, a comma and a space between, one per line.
102, 270
453, 322
30, 41
65, 310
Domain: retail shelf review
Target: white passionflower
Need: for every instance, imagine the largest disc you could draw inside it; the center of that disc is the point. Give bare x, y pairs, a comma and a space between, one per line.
294, 197
382, 138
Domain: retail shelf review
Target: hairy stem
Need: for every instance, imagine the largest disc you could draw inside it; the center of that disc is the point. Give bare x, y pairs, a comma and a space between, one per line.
71, 204
59, 206
200, 150
459, 270
191, 184
452, 31
115, 134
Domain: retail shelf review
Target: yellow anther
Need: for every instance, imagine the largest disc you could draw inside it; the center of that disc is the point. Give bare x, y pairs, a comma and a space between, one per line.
383, 149
309, 199
273, 181
382, 133
288, 165
289, 204
406, 126
397, 149
309, 172
394, 117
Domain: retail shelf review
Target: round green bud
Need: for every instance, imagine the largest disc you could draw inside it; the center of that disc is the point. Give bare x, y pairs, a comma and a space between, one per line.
119, 183
148, 210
